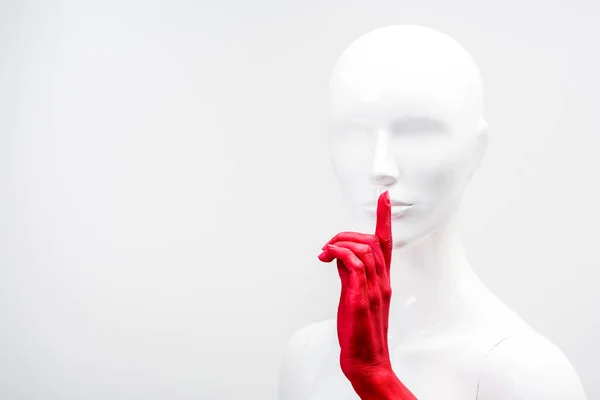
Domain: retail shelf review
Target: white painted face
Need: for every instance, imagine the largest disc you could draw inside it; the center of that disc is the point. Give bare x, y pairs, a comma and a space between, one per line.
406, 116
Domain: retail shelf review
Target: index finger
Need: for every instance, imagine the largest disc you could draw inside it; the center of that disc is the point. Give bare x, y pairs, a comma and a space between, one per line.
383, 229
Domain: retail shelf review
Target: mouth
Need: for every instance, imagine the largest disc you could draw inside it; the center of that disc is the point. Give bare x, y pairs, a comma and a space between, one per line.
398, 208
399, 203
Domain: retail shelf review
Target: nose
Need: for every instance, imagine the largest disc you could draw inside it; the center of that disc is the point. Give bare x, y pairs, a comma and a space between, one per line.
384, 171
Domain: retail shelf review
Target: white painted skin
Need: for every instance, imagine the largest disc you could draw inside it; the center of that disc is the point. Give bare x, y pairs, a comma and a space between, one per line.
407, 117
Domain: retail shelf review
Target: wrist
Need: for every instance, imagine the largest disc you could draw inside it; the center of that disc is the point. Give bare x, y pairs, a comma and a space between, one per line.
373, 377
380, 383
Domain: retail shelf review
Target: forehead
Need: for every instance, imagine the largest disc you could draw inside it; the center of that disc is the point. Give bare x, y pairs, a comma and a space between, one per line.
394, 78
380, 96
386, 107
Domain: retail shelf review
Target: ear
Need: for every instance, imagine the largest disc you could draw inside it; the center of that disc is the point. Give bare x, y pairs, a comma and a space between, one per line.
480, 144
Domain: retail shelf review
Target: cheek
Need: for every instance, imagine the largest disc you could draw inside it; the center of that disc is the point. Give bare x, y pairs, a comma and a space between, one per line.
351, 168
432, 172
434, 183
436, 188
355, 188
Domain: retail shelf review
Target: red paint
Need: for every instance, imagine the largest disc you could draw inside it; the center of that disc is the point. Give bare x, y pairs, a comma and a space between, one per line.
363, 263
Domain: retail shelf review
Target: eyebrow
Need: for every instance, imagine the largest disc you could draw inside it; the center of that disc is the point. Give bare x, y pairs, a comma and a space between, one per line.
417, 124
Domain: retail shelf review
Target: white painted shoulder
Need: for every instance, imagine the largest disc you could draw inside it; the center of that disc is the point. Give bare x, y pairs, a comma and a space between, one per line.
305, 352
528, 367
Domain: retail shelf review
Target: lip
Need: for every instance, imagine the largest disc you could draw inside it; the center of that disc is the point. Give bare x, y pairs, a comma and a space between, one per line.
399, 203
398, 208
392, 203
398, 211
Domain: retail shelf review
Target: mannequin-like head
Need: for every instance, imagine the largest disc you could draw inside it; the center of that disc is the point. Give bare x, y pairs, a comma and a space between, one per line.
406, 115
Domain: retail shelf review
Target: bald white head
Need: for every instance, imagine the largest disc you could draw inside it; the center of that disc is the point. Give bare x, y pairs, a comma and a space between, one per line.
406, 116
418, 63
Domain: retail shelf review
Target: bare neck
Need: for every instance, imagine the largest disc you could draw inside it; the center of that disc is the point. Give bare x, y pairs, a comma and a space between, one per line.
426, 278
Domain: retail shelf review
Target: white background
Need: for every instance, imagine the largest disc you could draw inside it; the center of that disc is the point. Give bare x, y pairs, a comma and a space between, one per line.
165, 185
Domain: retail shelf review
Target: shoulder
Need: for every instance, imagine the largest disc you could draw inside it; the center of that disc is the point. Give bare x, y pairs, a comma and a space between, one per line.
305, 352
528, 366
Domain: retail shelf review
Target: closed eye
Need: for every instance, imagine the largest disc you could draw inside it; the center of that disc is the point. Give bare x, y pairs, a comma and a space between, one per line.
353, 130
417, 125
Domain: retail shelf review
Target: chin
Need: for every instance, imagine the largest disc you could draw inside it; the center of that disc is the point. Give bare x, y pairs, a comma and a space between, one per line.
404, 235
408, 231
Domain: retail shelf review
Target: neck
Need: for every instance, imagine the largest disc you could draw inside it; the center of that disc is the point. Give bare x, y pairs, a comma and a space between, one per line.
426, 278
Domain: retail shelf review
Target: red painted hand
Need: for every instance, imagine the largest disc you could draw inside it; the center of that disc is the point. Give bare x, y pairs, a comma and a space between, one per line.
363, 263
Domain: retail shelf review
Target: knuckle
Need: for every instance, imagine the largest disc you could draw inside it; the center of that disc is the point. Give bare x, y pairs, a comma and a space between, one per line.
374, 301
361, 311
374, 243
386, 293
358, 267
366, 249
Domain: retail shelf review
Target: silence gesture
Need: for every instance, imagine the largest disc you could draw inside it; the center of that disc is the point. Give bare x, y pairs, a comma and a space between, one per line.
363, 263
